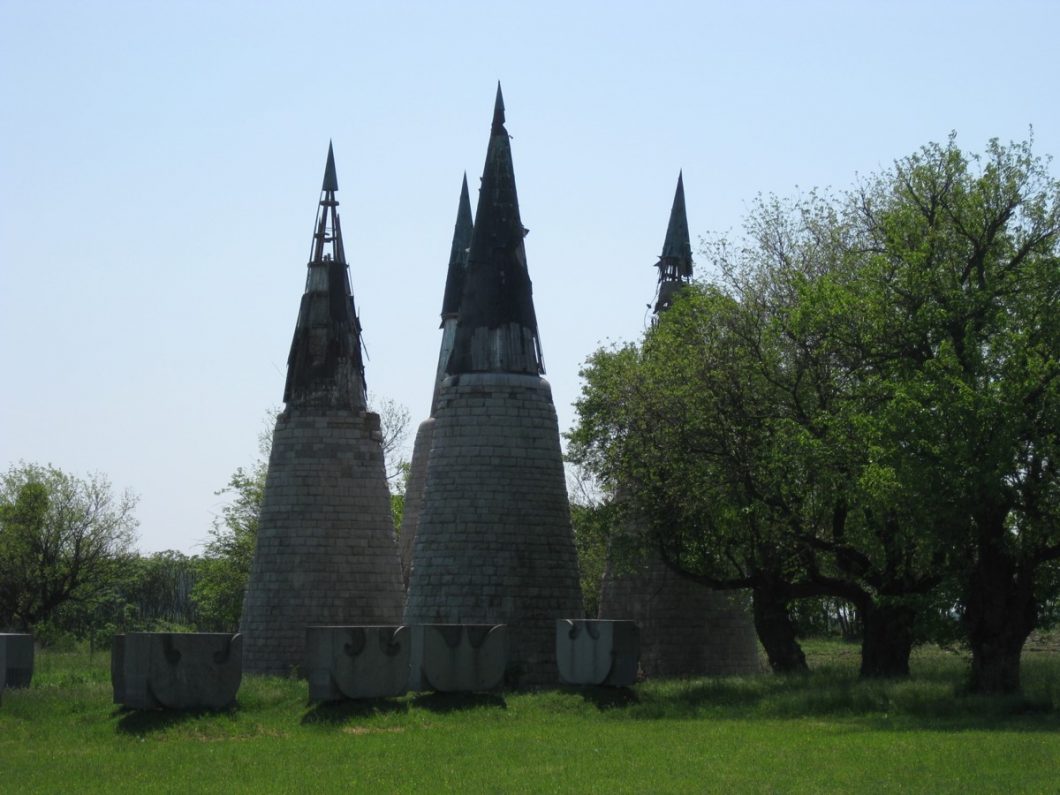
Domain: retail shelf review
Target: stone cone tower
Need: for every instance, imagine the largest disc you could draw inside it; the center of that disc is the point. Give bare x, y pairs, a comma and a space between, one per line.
421, 448
493, 543
685, 628
326, 552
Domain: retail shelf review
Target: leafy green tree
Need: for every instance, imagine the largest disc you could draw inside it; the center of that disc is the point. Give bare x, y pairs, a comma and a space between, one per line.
63, 540
958, 321
224, 567
865, 407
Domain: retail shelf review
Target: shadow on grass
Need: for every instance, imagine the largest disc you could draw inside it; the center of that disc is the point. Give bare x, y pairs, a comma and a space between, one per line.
604, 698
930, 702
145, 721
336, 712
454, 702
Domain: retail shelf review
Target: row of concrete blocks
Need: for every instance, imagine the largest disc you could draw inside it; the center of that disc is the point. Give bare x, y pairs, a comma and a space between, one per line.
204, 670
386, 661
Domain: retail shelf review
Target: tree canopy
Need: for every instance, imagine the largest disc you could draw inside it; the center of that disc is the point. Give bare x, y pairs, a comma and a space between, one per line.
62, 539
863, 404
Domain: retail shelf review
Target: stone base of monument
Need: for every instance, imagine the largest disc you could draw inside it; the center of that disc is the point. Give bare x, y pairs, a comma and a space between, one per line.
176, 670
357, 662
593, 652
458, 658
16, 660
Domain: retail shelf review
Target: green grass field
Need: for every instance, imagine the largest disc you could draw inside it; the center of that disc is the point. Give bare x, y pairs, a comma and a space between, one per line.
826, 732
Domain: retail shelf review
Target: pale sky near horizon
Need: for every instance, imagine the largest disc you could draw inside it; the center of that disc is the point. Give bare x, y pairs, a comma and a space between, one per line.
160, 167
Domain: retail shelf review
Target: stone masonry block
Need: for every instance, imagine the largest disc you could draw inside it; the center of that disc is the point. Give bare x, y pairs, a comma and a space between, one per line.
593, 652
17, 669
357, 662
176, 670
451, 658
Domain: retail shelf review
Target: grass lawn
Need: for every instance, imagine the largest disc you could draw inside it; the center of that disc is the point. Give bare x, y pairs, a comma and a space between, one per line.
822, 732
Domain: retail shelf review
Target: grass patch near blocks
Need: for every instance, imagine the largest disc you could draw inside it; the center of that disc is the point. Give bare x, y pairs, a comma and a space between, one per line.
825, 731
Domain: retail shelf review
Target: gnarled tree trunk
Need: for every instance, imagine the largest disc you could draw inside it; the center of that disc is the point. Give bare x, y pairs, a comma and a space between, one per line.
776, 630
1000, 612
887, 640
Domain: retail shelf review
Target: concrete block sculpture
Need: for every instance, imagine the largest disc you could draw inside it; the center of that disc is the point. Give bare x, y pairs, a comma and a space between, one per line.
458, 658
326, 551
357, 662
176, 670
421, 449
597, 652
16, 660
686, 628
493, 542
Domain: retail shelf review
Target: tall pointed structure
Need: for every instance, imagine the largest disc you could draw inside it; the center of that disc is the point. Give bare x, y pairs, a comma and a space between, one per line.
686, 629
494, 542
675, 262
421, 448
326, 552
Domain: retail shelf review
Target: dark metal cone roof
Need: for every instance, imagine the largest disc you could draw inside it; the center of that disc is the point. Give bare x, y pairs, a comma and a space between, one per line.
677, 245
331, 181
325, 366
454, 280
497, 328
498, 111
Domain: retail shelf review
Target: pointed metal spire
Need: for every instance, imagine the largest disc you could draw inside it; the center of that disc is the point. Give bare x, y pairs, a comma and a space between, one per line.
675, 262
454, 280
325, 366
331, 182
497, 329
677, 245
498, 110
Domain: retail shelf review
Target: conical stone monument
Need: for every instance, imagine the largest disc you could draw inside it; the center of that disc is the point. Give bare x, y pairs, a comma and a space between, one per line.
686, 629
493, 542
421, 448
326, 551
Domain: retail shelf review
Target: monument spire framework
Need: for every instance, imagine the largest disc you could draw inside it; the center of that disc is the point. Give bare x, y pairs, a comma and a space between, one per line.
494, 542
326, 551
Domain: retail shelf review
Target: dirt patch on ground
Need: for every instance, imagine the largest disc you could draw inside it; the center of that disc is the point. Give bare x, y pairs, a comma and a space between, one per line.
359, 730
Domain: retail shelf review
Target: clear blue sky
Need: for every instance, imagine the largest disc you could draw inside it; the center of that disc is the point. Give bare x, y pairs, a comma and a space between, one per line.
160, 166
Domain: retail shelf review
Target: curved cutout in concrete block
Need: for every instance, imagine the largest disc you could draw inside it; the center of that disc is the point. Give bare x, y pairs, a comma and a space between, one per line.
357, 662
176, 670
16, 659
594, 652
452, 658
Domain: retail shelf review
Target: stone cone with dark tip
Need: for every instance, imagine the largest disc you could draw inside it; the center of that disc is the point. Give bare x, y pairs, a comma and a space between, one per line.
493, 542
326, 551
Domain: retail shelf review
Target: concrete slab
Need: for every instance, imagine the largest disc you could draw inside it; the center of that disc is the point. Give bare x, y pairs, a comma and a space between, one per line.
454, 658
16, 659
357, 661
595, 652
176, 670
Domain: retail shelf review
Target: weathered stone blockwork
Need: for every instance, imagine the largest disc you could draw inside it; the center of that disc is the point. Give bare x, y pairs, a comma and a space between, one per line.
686, 629
326, 552
494, 544
414, 488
